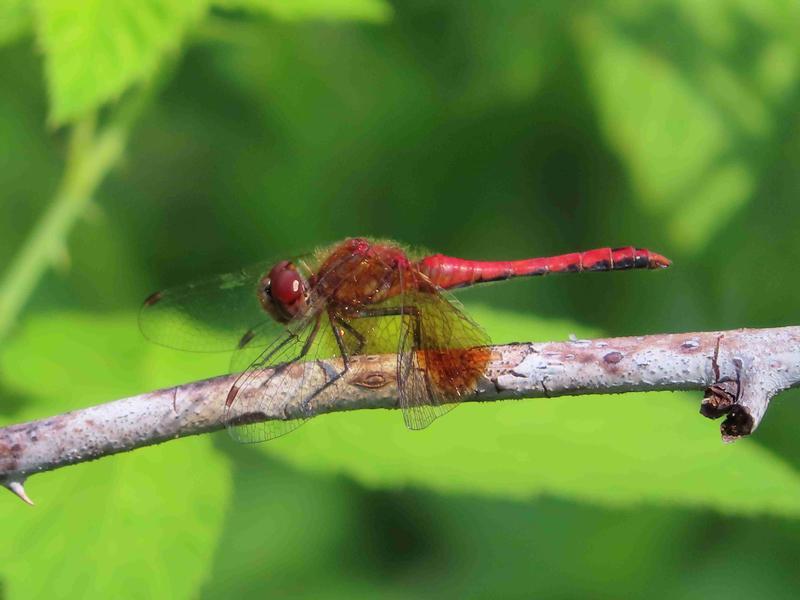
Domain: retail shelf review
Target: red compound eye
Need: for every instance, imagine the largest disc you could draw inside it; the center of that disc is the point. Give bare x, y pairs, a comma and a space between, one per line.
286, 285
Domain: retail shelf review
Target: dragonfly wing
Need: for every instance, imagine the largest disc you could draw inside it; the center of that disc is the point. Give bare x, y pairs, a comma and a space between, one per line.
280, 381
264, 390
441, 355
282, 384
211, 315
253, 344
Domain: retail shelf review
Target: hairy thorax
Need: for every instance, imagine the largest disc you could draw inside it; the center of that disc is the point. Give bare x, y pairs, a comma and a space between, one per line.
359, 274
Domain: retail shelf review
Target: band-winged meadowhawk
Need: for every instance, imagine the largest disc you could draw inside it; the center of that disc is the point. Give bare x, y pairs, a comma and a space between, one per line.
354, 297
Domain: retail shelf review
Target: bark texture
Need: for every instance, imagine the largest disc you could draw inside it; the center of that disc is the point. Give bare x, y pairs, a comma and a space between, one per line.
740, 371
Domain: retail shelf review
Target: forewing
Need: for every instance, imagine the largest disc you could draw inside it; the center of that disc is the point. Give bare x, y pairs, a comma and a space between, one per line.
212, 315
283, 383
253, 343
442, 352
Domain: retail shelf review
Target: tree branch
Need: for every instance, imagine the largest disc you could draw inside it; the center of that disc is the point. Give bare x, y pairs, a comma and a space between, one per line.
740, 371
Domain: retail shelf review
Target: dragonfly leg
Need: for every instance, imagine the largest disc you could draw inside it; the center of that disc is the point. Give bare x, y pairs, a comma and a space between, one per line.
278, 369
311, 337
306, 402
345, 354
352, 331
361, 340
401, 311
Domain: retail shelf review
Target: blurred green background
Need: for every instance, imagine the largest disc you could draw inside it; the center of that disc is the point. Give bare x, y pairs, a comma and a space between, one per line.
249, 129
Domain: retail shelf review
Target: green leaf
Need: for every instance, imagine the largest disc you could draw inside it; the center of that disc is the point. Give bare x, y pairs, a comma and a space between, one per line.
691, 128
99, 526
373, 11
609, 450
95, 50
672, 135
68, 360
15, 19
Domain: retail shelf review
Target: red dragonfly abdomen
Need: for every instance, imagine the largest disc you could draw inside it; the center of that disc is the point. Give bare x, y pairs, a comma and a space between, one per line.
448, 272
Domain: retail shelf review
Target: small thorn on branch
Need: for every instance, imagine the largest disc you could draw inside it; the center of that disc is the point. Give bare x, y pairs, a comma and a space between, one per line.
17, 488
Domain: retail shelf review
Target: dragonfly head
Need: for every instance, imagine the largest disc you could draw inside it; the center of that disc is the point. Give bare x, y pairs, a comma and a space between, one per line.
283, 292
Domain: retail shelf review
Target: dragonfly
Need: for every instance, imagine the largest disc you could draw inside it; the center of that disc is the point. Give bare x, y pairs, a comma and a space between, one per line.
355, 297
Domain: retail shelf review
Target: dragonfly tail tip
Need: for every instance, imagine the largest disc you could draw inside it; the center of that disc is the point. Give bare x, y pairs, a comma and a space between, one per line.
659, 261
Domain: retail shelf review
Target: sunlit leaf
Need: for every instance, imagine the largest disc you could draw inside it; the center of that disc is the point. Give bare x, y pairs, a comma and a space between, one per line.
721, 193
667, 133
95, 50
138, 525
15, 19
99, 527
376, 11
66, 360
691, 126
